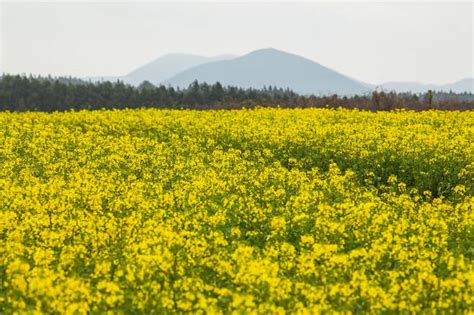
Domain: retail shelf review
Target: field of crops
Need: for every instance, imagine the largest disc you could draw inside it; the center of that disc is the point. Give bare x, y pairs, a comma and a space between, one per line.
266, 210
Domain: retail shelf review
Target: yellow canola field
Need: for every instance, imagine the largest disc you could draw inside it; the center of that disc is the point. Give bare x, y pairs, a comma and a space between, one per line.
251, 211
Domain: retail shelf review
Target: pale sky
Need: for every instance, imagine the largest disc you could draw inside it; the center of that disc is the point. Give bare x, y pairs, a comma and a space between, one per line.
371, 41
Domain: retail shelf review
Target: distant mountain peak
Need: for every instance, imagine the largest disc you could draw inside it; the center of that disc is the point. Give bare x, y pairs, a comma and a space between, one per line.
270, 66
167, 66
273, 52
269, 50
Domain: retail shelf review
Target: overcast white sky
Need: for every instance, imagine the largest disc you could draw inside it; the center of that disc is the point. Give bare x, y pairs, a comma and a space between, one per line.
371, 41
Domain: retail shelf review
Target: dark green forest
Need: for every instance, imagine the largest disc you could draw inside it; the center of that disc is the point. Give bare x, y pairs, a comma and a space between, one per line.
28, 93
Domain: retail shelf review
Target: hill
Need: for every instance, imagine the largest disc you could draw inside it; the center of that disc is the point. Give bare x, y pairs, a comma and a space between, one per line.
167, 66
271, 67
263, 68
461, 86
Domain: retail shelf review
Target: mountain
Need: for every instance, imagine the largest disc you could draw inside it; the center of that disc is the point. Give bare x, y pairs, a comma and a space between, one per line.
465, 85
266, 67
273, 67
167, 66
461, 86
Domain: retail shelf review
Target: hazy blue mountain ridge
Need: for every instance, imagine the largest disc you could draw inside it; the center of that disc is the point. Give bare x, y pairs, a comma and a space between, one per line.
271, 67
167, 66
461, 86
267, 67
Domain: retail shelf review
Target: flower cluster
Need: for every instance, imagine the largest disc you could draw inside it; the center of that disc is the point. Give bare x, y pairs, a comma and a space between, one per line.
250, 211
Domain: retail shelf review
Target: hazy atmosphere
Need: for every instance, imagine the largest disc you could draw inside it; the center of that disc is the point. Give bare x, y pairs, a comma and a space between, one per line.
373, 42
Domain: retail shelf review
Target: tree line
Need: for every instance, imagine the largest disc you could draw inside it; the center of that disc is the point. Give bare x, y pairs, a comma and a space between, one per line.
28, 93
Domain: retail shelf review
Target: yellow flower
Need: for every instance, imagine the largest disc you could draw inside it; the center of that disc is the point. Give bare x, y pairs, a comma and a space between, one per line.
264, 211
